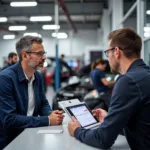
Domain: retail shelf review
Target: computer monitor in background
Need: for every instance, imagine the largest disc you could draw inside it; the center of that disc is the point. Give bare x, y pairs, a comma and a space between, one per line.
72, 63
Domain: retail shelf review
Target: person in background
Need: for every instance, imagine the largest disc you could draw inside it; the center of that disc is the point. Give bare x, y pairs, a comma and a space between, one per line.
12, 59
62, 56
98, 77
23, 103
130, 101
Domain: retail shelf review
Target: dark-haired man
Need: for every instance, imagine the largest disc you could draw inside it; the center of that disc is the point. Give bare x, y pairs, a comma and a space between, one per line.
130, 102
12, 59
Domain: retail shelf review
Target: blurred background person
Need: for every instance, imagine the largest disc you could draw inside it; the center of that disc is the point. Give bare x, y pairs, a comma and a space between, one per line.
62, 56
99, 81
98, 76
12, 59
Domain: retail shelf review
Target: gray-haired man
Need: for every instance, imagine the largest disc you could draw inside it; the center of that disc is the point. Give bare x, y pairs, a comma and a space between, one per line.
22, 100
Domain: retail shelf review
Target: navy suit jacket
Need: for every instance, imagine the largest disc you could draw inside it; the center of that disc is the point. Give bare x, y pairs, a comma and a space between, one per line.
14, 104
129, 109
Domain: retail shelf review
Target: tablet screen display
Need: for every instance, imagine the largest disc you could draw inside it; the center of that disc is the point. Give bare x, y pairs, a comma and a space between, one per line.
82, 114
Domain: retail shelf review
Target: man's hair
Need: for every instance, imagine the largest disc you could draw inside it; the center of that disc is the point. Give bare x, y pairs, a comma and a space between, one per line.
11, 55
62, 55
127, 40
97, 62
25, 44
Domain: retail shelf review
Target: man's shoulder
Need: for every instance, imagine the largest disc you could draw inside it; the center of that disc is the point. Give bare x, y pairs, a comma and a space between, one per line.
122, 78
8, 72
133, 76
138, 74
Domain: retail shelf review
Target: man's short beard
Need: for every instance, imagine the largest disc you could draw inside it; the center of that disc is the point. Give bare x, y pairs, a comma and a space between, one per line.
13, 63
115, 70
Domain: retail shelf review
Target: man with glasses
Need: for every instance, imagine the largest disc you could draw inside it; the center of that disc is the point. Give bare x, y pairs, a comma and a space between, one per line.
22, 100
130, 102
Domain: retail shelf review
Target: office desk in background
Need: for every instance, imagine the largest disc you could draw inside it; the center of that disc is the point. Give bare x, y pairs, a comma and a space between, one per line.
31, 140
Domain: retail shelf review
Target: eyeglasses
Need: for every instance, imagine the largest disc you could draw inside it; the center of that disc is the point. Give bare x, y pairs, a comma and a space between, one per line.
107, 51
38, 53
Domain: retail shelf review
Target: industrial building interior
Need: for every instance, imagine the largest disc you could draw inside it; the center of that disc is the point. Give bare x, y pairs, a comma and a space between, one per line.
75, 34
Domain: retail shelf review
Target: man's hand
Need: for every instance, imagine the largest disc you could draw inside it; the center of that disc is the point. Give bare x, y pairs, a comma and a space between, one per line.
72, 125
100, 114
56, 117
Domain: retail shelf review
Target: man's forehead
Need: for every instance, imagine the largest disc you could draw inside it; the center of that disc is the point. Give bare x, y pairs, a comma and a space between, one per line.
37, 45
109, 42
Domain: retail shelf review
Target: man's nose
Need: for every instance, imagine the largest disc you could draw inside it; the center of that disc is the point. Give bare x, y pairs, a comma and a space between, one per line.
43, 57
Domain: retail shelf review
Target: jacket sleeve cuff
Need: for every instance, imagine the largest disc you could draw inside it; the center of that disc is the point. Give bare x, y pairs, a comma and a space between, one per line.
77, 131
44, 121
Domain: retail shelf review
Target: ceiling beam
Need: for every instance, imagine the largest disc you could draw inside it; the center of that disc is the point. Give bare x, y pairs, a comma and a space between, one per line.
48, 9
65, 10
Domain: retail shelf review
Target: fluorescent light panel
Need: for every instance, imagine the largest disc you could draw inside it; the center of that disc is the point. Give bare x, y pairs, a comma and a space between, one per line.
60, 35
7, 37
3, 19
32, 34
17, 28
147, 29
50, 27
23, 4
148, 12
41, 18
147, 34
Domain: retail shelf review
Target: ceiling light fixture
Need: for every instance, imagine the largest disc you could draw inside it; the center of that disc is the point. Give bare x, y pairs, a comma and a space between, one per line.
148, 12
23, 4
147, 29
40, 18
8, 37
60, 35
3, 19
50, 27
17, 28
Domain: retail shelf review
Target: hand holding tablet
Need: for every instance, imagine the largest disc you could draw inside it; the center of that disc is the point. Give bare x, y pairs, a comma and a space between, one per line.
83, 114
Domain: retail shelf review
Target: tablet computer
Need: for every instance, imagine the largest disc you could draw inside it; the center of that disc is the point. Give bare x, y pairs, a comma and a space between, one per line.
83, 114
66, 103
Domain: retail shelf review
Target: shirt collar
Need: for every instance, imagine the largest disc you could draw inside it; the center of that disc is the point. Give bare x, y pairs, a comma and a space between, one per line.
21, 75
31, 80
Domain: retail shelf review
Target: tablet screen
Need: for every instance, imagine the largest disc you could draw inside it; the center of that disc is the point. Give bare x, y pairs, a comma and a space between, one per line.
82, 114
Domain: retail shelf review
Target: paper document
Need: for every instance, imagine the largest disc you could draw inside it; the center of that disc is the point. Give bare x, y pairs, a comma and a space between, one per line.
50, 131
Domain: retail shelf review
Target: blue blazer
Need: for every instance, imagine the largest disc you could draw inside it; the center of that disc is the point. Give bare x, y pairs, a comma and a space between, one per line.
14, 104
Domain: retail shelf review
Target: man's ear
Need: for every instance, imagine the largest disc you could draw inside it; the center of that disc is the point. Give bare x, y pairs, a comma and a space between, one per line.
24, 55
117, 52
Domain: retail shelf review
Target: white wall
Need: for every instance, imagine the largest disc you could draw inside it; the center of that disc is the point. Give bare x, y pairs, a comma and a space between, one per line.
79, 41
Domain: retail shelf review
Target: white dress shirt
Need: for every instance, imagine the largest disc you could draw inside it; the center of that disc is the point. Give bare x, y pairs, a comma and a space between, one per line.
31, 97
